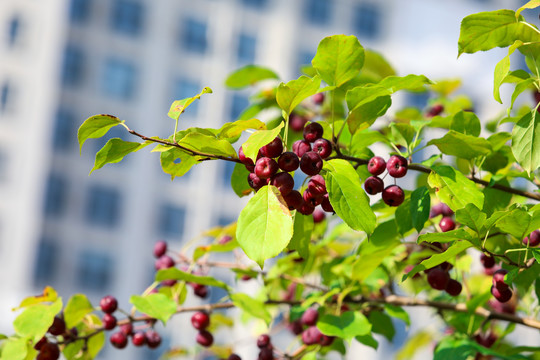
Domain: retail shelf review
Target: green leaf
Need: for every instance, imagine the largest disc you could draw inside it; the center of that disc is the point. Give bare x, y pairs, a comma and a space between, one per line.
364, 116
77, 308
453, 188
156, 305
382, 324
487, 30
170, 165
114, 151
232, 130
451, 253
502, 69
48, 295
346, 326
265, 225
375, 67
368, 340
177, 274
249, 75
402, 134
403, 217
15, 349
444, 237
420, 206
409, 82
303, 227
398, 313
258, 139
291, 94
521, 87
179, 106
347, 197
518, 223
414, 343
251, 306
239, 182
206, 144
471, 216
461, 145
35, 320
529, 5
466, 122
95, 344
339, 59
95, 127
526, 141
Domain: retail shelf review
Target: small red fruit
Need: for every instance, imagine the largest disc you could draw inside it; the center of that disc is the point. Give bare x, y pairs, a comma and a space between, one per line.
376, 165
200, 320
204, 338
119, 340
108, 304
397, 166
373, 185
313, 131
393, 195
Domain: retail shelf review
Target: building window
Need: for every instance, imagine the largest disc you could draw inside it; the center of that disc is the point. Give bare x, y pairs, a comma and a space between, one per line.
246, 49
255, 3
72, 67
79, 11
5, 97
238, 104
318, 12
193, 37
366, 21
103, 206
65, 130
14, 29
94, 270
46, 262
119, 79
185, 88
55, 195
171, 220
127, 17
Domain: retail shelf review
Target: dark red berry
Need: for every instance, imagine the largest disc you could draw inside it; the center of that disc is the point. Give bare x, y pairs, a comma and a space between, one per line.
164, 262
119, 340
309, 317
58, 326
323, 147
255, 182
393, 195
295, 327
300, 147
376, 165
108, 304
327, 340
283, 181
288, 161
440, 209
326, 204
447, 224
397, 166
306, 208
266, 167
200, 320
263, 341
273, 149
498, 279
317, 185
297, 122
234, 357
200, 290
160, 248
266, 354
435, 110
533, 239
109, 321
138, 339
453, 287
501, 295
49, 351
294, 200
438, 279
373, 185
487, 340
318, 216
312, 199
127, 328
153, 339
311, 163
313, 131
40, 343
487, 261
312, 336
204, 338
318, 98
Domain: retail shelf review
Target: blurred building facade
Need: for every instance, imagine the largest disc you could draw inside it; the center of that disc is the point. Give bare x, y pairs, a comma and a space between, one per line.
62, 61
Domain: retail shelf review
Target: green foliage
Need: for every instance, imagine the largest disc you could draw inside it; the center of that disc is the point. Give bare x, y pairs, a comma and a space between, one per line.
351, 262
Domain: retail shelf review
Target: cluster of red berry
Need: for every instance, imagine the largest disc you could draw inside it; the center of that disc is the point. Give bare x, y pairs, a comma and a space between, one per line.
308, 155
49, 350
306, 326
396, 166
